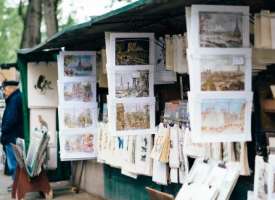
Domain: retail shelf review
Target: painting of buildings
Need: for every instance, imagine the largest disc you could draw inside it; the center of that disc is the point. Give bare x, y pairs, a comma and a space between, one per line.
79, 143
78, 65
132, 51
132, 83
223, 116
219, 73
78, 117
80, 91
221, 29
132, 116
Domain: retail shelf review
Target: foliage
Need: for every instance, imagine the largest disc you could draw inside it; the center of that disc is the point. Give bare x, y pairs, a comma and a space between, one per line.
11, 27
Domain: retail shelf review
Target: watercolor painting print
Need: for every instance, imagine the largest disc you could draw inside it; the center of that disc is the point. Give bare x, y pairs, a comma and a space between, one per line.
42, 85
132, 51
132, 83
219, 29
223, 116
80, 91
132, 116
77, 64
44, 119
220, 26
78, 117
219, 73
80, 146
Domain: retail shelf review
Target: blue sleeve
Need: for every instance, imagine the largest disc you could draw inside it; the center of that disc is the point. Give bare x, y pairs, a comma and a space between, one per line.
10, 119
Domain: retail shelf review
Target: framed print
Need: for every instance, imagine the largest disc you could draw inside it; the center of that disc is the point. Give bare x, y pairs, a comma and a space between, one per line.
77, 146
136, 82
77, 90
42, 85
44, 119
132, 49
219, 26
76, 64
221, 70
132, 117
224, 117
77, 117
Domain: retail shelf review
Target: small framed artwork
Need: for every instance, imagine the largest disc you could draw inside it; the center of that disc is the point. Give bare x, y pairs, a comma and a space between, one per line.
77, 90
132, 83
220, 70
224, 117
42, 85
77, 146
132, 49
76, 64
44, 119
77, 117
132, 117
219, 26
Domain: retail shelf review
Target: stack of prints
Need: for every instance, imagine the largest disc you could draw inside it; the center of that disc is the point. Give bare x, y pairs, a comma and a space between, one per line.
130, 71
77, 104
220, 99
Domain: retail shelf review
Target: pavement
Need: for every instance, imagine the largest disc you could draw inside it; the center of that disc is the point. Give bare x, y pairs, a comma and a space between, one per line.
61, 191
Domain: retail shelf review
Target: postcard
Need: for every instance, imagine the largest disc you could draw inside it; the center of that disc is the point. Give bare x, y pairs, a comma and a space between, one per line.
224, 117
261, 179
77, 116
137, 82
80, 90
42, 85
44, 119
79, 146
132, 117
216, 70
220, 26
76, 64
132, 49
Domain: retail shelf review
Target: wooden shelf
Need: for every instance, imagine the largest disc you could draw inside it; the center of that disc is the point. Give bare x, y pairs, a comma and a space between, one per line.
268, 105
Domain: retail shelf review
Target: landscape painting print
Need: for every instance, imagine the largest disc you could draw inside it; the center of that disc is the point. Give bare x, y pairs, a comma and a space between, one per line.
78, 117
132, 51
223, 116
220, 116
132, 116
219, 26
220, 73
78, 146
132, 83
79, 64
220, 29
82, 91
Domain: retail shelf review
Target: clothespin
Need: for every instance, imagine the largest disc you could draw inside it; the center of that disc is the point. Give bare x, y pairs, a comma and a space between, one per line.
222, 165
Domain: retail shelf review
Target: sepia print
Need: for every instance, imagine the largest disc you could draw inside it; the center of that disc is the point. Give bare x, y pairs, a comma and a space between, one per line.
78, 91
132, 83
80, 143
220, 73
132, 51
132, 116
223, 116
78, 65
78, 117
221, 29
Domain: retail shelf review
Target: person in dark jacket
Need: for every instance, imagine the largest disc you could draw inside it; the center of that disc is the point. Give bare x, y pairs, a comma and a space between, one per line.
12, 121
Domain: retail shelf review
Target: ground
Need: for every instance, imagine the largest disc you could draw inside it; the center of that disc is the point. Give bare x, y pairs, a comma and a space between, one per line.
61, 191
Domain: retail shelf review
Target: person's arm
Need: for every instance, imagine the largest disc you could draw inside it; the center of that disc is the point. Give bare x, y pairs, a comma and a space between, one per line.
10, 119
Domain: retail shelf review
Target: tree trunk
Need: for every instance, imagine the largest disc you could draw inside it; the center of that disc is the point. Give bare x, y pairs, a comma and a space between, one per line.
32, 22
50, 15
